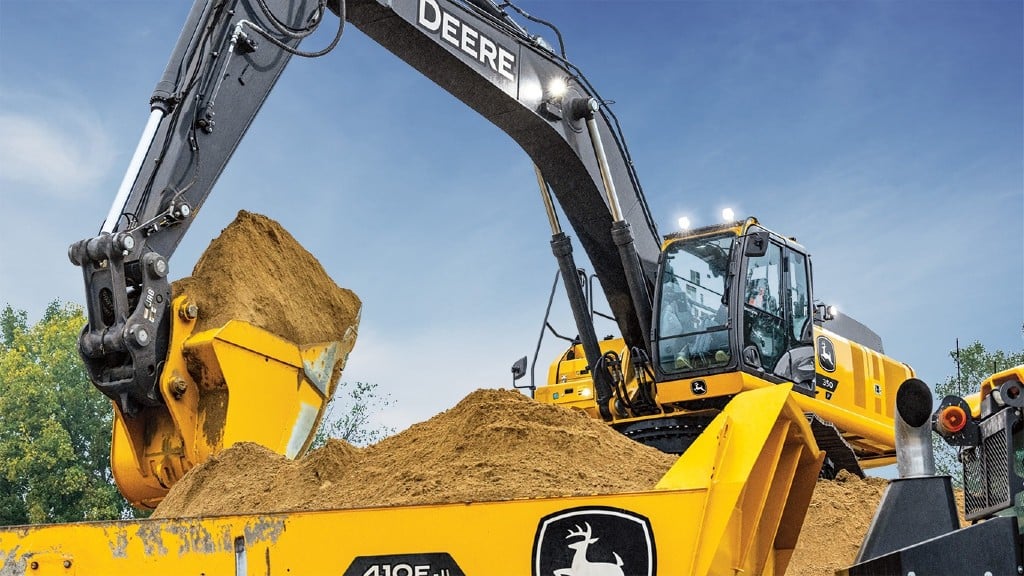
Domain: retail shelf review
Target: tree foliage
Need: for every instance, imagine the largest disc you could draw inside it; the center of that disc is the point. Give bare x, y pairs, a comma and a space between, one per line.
976, 364
348, 415
55, 426
55, 429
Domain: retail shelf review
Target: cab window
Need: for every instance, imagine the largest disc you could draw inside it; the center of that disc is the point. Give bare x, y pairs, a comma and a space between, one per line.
798, 300
765, 335
693, 318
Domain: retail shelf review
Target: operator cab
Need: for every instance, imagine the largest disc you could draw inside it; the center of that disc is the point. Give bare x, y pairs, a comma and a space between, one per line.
734, 297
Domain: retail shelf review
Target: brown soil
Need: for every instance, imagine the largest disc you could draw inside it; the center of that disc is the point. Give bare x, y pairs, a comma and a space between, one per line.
257, 272
837, 520
498, 443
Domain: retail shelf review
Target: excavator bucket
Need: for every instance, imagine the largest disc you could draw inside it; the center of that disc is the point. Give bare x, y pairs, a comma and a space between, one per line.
237, 383
733, 504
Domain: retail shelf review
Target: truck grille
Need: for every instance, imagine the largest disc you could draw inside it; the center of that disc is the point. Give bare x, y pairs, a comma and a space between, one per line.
990, 482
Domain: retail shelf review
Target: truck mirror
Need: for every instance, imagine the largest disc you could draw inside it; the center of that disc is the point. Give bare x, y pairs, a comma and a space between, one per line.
519, 369
757, 244
823, 313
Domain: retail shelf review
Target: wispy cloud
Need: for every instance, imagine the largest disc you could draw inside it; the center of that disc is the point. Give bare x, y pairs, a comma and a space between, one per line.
59, 154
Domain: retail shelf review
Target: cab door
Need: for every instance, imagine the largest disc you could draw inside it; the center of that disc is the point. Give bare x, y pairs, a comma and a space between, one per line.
776, 331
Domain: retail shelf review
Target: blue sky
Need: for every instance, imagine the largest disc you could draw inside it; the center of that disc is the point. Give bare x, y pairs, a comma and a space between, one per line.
887, 137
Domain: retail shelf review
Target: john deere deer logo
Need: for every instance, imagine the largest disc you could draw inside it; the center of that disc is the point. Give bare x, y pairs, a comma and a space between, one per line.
826, 354
594, 542
583, 567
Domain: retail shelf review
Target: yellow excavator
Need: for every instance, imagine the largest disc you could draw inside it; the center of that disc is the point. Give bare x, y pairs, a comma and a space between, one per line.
728, 390
734, 311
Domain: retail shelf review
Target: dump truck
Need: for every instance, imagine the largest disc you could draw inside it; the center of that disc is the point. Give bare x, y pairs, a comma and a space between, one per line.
735, 500
731, 395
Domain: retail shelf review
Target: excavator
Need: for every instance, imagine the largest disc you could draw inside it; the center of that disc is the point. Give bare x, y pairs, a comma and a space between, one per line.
734, 311
722, 354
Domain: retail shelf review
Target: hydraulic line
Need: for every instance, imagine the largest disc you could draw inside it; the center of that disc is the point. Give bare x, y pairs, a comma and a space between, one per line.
561, 247
284, 28
622, 232
294, 51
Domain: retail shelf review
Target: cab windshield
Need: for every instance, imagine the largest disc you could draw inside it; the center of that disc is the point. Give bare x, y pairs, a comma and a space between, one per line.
693, 328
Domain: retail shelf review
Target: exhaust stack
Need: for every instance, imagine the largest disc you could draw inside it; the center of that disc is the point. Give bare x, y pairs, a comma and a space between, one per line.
914, 455
918, 505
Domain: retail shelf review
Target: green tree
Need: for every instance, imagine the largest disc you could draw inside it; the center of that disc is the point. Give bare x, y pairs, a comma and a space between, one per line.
348, 416
55, 429
55, 426
976, 364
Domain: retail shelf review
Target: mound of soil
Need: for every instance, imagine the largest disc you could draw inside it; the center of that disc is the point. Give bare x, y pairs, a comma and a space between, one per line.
837, 521
257, 272
499, 444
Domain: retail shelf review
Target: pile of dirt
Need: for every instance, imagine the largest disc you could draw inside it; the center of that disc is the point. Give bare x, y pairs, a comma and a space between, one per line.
257, 272
498, 443
837, 520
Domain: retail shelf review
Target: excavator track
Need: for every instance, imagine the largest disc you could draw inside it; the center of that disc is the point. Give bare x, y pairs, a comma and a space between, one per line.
839, 455
672, 434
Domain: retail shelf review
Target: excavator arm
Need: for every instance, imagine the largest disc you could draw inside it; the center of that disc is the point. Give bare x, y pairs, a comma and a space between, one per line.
217, 78
228, 58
